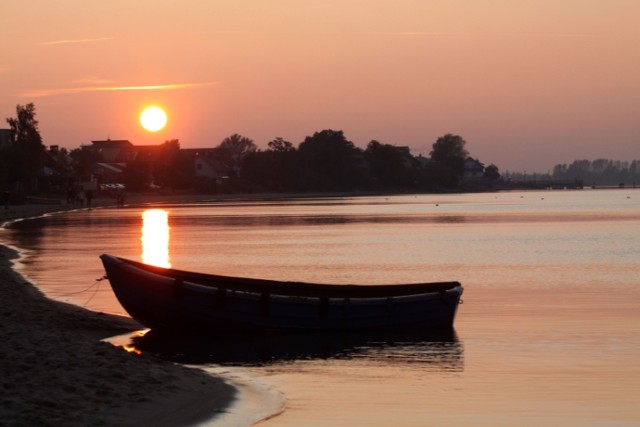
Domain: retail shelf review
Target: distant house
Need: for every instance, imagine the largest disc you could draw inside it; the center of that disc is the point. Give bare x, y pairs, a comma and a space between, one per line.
113, 151
473, 168
407, 159
109, 172
112, 157
5, 137
206, 163
123, 151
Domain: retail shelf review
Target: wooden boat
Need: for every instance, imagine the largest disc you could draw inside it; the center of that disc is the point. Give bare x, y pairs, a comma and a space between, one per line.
164, 298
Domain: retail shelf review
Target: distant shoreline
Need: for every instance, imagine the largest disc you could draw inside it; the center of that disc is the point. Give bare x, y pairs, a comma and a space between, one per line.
40, 205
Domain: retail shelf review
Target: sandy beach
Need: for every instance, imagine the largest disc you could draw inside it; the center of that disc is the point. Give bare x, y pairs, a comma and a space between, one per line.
55, 370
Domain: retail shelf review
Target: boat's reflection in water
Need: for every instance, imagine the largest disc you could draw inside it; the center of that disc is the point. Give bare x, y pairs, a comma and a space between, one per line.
434, 349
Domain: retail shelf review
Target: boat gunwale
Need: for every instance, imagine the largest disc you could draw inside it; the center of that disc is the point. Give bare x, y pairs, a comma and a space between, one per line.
289, 288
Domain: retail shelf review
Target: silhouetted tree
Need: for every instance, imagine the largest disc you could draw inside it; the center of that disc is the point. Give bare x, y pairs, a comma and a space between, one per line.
24, 128
448, 155
82, 161
449, 151
273, 169
258, 175
233, 149
329, 162
282, 158
26, 154
491, 172
279, 145
390, 167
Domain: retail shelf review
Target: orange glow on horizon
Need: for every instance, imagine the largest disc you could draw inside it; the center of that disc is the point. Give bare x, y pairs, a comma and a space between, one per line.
155, 238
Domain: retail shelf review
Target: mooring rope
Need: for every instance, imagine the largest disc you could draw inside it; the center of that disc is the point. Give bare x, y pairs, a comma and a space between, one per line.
95, 291
95, 285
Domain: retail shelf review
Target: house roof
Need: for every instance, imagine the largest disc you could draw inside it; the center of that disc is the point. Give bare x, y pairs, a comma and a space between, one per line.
110, 143
473, 164
113, 150
122, 150
113, 167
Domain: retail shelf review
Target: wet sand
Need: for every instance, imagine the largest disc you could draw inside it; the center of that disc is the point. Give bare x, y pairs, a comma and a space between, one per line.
55, 370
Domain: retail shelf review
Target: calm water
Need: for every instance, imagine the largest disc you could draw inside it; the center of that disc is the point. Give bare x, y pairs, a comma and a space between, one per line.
549, 332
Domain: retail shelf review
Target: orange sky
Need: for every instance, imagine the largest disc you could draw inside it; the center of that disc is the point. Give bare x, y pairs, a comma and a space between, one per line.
528, 83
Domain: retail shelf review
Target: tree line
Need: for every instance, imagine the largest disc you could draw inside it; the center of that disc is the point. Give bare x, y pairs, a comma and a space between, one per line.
601, 172
593, 173
324, 162
327, 161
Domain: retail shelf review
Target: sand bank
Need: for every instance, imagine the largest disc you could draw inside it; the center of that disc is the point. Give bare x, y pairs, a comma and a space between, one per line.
55, 370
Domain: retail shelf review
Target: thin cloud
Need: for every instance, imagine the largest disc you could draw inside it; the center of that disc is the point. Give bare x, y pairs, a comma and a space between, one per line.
86, 89
466, 34
155, 87
559, 35
74, 41
412, 33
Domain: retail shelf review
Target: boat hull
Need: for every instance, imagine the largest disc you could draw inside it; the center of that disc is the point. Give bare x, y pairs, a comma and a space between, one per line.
159, 300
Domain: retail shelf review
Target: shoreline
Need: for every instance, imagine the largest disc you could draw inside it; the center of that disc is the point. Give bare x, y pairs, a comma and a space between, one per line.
56, 370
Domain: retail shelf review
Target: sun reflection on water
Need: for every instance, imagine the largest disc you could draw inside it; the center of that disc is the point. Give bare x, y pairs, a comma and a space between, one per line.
155, 237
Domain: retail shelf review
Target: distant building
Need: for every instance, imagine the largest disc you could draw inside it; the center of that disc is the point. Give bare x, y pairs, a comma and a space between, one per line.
5, 137
407, 159
206, 163
122, 151
113, 151
473, 168
109, 173
112, 156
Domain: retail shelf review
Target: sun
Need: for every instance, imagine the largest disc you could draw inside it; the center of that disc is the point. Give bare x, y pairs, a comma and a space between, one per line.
153, 118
